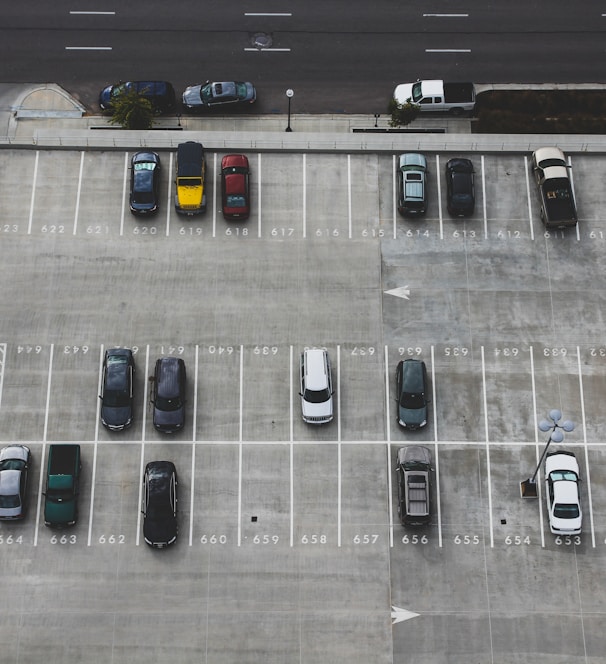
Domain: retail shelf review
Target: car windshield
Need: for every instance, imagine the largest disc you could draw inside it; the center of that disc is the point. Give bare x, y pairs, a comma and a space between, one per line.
416, 92
412, 401
145, 166
317, 396
566, 511
236, 201
206, 93
557, 475
12, 464
10, 501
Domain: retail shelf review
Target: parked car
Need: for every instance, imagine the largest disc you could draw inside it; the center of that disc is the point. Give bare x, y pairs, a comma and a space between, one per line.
160, 526
411, 390
316, 387
117, 388
235, 189
161, 94
562, 493
168, 394
460, 190
412, 184
144, 182
223, 94
190, 180
14, 467
413, 470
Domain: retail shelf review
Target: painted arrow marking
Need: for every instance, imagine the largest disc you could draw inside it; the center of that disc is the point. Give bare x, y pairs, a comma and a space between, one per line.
400, 615
402, 291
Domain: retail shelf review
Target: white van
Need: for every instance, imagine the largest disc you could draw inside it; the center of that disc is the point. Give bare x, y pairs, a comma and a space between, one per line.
316, 387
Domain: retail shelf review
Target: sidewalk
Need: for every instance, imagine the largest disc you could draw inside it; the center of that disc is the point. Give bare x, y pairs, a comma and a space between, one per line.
46, 116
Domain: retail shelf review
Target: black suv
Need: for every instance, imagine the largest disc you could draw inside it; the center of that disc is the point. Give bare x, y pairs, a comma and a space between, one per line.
117, 388
168, 394
160, 504
161, 94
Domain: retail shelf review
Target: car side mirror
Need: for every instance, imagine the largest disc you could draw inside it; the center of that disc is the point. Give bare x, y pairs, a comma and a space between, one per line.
300, 394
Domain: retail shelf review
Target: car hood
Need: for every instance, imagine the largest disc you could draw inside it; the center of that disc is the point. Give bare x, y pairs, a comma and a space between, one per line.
403, 93
191, 96
169, 420
413, 417
317, 410
116, 417
160, 532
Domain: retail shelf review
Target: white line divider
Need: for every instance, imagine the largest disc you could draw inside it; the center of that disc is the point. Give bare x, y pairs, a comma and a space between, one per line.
142, 461
537, 453
169, 203
259, 190
124, 181
215, 195
439, 188
388, 446
291, 450
339, 450
529, 199
583, 423
437, 447
485, 404
44, 435
2, 366
240, 449
33, 197
78, 192
95, 445
193, 447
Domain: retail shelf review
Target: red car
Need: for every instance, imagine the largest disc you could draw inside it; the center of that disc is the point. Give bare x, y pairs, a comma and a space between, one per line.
235, 192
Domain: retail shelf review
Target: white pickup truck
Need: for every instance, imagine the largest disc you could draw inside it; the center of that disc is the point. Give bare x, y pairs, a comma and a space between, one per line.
436, 95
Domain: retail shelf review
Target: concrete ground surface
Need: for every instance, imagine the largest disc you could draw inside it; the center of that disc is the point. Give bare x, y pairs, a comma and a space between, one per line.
290, 548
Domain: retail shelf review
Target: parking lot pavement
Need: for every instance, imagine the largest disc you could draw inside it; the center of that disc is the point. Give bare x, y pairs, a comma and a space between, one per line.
289, 534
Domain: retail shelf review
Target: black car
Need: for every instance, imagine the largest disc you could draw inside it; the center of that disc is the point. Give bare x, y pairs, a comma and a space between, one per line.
14, 466
160, 504
117, 388
168, 394
460, 191
223, 94
411, 390
144, 182
161, 94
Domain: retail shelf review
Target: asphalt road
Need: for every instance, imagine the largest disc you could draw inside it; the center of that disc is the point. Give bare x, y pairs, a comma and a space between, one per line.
335, 61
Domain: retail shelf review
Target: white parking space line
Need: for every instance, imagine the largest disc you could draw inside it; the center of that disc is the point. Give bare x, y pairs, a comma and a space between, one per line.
78, 192
94, 474
439, 189
193, 447
241, 397
267, 13
388, 446
484, 197
339, 449
169, 194
437, 447
537, 452
215, 195
394, 187
142, 460
447, 50
292, 450
124, 178
526, 172
586, 451
2, 366
33, 197
445, 15
88, 48
259, 224
571, 173
349, 193
485, 405
304, 195
43, 454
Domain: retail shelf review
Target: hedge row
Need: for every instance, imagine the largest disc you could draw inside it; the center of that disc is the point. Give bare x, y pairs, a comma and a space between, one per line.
541, 112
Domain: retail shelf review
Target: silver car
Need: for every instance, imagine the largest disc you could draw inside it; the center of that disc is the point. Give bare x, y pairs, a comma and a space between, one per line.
14, 467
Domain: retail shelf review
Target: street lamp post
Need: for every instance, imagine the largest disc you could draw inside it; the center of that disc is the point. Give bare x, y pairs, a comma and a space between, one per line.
528, 488
290, 93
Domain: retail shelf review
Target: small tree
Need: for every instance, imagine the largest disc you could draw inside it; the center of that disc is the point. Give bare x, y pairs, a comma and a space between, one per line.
132, 110
402, 114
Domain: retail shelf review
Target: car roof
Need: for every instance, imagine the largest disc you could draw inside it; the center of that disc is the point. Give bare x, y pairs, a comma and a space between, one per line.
167, 371
412, 376
316, 375
9, 482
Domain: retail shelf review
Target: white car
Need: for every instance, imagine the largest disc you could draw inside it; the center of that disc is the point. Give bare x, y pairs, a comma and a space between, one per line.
562, 493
